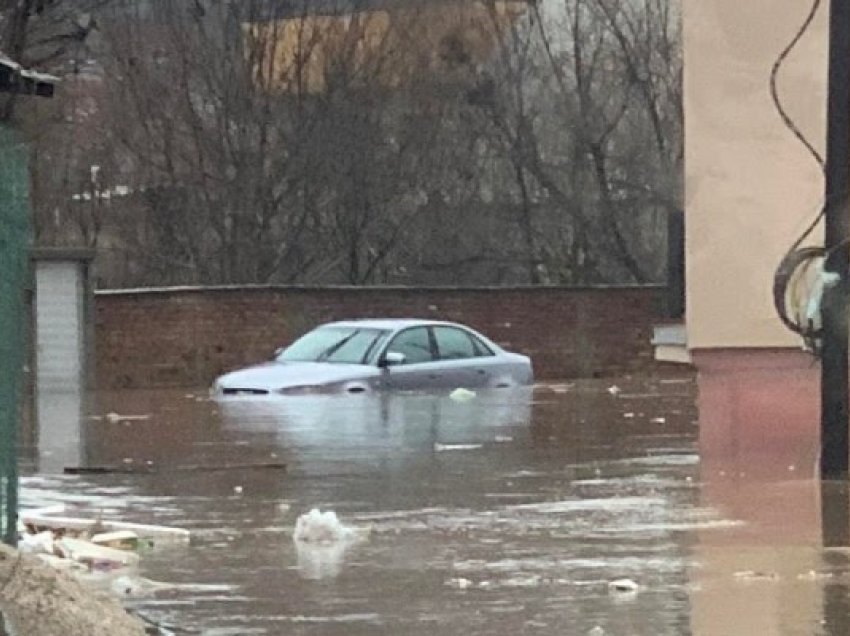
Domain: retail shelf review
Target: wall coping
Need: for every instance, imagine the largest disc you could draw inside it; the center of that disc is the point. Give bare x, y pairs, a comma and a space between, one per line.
190, 289
78, 254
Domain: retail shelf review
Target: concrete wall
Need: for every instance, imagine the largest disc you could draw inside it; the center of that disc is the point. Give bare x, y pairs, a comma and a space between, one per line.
185, 337
751, 187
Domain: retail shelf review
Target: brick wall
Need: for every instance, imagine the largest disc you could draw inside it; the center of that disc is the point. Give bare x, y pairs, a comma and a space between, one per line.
187, 336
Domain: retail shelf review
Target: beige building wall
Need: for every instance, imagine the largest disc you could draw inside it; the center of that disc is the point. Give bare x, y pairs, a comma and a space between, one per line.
751, 187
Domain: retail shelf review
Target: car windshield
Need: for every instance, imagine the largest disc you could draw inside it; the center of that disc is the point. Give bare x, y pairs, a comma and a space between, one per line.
343, 345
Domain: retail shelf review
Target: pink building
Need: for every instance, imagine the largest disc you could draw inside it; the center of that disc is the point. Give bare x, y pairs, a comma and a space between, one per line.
751, 188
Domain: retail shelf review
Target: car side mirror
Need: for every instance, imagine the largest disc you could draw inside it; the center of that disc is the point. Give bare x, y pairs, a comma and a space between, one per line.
391, 359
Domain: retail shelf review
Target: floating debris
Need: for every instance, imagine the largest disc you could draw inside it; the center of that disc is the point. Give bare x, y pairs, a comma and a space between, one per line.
750, 575
456, 447
38, 543
117, 539
114, 418
321, 541
658, 420
96, 558
623, 586
459, 583
319, 527
136, 586
78, 526
614, 390
129, 466
462, 395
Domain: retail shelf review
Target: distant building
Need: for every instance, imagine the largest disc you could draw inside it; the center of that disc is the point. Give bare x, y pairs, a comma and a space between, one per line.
301, 46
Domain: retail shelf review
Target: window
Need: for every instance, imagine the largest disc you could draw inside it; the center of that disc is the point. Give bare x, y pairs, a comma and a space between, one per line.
481, 349
454, 344
414, 344
344, 345
355, 350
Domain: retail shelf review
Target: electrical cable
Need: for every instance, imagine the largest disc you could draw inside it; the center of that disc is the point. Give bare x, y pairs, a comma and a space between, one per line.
797, 262
774, 89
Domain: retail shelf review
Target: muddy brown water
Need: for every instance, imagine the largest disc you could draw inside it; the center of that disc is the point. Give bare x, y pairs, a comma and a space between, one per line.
506, 514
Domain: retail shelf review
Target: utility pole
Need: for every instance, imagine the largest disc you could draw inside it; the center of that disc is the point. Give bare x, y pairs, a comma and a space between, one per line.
835, 452
15, 240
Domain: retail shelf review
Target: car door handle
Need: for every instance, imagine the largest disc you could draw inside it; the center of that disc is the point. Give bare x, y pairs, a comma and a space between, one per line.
482, 371
432, 376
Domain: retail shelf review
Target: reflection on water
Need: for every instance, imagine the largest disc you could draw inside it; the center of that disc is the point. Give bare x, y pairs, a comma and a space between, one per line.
60, 431
506, 514
320, 561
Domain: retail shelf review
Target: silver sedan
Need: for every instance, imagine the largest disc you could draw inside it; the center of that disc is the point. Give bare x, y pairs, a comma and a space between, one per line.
369, 355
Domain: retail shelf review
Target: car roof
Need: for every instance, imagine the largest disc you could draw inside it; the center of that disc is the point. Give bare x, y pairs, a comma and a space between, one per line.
386, 323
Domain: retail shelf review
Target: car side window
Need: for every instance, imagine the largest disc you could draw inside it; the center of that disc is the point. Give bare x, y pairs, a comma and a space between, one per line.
414, 344
481, 349
455, 344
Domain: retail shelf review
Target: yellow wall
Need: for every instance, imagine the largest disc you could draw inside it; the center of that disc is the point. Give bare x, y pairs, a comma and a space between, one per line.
380, 46
750, 186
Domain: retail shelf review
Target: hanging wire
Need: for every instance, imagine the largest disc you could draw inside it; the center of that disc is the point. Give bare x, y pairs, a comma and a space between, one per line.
798, 264
774, 87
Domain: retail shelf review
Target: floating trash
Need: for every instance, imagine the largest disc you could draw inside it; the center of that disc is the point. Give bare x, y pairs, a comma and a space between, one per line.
114, 418
95, 557
35, 521
462, 395
319, 528
459, 583
117, 539
39, 543
750, 575
456, 447
321, 541
623, 586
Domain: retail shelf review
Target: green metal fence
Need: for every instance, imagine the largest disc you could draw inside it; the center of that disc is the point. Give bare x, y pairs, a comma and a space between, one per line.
14, 273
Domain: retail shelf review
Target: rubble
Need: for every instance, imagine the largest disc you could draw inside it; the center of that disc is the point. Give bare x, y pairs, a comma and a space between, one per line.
39, 600
38, 521
83, 546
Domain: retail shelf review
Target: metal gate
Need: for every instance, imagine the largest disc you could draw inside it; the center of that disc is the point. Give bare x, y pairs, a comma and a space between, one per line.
14, 275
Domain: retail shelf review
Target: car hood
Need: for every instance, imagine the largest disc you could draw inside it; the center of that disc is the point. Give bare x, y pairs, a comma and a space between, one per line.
277, 375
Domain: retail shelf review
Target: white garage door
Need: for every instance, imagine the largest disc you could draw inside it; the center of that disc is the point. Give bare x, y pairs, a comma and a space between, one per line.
59, 326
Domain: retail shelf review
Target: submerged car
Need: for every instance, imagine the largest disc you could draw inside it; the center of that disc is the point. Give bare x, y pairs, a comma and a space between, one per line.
370, 355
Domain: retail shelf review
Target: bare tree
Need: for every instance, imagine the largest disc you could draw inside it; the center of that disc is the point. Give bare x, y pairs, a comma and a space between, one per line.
442, 143
598, 93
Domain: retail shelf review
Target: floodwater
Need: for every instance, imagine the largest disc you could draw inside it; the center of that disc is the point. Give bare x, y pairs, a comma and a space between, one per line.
506, 514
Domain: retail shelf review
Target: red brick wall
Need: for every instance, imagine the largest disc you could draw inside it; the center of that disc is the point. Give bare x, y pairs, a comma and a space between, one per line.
185, 337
